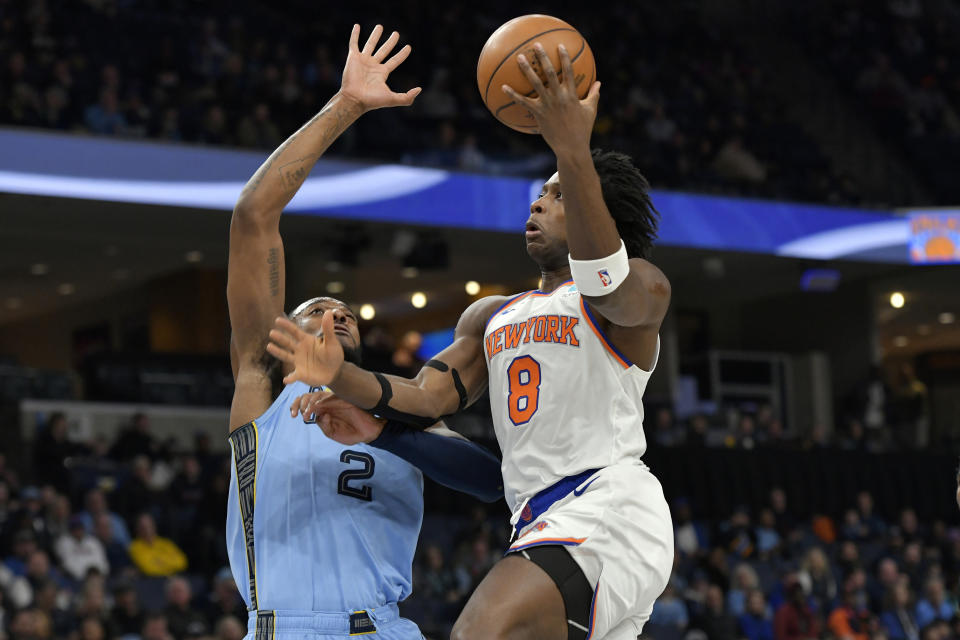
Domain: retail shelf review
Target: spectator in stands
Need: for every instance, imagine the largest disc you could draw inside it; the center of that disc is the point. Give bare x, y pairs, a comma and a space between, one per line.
39, 571
691, 537
439, 582
225, 600
117, 553
58, 516
669, 610
882, 585
913, 566
152, 554
30, 516
768, 540
875, 525
478, 561
665, 432
182, 619
14, 590
97, 506
155, 628
51, 449
79, 552
127, 618
24, 544
134, 440
795, 619
105, 117
784, 520
738, 537
937, 605
851, 620
6, 511
137, 492
47, 599
92, 628
745, 581
714, 620
186, 494
756, 623
29, 624
910, 529
899, 619
817, 579
229, 628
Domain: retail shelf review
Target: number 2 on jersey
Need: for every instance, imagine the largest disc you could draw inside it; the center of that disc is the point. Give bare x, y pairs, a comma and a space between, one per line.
523, 375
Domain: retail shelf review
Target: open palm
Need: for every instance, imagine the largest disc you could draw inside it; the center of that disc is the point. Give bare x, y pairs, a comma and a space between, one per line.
316, 360
366, 71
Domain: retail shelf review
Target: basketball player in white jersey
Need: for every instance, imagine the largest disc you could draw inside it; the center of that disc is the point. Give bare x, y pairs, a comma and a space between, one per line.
566, 366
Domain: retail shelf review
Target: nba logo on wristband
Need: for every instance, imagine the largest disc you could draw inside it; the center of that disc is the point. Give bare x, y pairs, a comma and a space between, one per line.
605, 278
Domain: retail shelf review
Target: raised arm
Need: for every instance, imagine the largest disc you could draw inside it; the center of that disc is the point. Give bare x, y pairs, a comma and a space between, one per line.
566, 122
454, 379
255, 273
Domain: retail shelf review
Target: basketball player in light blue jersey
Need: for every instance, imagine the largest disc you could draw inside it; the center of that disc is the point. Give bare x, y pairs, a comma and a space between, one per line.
321, 536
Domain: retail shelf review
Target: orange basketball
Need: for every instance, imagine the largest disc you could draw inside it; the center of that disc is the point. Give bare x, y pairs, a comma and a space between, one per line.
498, 64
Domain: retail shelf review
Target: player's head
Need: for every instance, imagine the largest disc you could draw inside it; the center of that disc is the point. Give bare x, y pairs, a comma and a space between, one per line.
627, 196
310, 313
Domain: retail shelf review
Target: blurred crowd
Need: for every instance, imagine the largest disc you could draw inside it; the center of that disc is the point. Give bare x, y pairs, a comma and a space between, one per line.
899, 60
771, 576
693, 110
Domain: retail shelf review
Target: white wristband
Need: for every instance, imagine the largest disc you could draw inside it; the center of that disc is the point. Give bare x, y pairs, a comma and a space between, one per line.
602, 276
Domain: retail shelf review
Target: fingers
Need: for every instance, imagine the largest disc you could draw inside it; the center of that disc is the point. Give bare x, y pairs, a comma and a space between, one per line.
397, 58
280, 354
286, 325
406, 99
593, 97
326, 326
567, 66
387, 47
530, 74
283, 340
547, 65
299, 404
372, 40
354, 46
530, 103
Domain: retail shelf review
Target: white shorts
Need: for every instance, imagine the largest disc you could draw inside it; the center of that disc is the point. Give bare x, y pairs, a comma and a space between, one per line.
617, 527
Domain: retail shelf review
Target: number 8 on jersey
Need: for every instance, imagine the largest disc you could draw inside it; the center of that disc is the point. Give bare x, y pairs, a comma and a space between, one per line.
524, 399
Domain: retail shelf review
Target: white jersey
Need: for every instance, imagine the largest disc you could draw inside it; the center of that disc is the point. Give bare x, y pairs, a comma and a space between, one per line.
564, 399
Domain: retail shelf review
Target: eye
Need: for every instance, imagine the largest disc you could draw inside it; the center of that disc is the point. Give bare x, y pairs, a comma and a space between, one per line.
316, 311
542, 193
558, 195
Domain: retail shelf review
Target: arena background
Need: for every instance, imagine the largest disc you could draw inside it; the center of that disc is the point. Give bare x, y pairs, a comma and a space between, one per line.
805, 413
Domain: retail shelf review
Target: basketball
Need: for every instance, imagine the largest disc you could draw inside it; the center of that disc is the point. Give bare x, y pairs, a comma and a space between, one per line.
498, 64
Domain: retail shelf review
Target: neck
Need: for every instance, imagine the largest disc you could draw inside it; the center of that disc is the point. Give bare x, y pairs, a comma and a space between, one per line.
551, 279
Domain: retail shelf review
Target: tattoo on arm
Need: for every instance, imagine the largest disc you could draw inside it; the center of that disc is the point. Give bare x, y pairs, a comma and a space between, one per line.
273, 259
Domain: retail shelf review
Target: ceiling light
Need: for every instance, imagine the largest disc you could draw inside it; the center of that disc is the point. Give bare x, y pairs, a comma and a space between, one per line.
66, 289
472, 287
335, 286
946, 318
900, 341
418, 300
194, 256
897, 300
367, 312
409, 272
40, 269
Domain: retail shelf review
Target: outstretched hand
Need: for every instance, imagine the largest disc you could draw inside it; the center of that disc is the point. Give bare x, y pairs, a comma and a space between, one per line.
316, 360
565, 121
339, 420
365, 73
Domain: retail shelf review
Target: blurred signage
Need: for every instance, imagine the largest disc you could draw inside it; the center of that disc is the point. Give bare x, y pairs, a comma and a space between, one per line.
66, 166
934, 237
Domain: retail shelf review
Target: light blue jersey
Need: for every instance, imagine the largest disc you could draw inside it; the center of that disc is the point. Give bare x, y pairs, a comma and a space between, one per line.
317, 531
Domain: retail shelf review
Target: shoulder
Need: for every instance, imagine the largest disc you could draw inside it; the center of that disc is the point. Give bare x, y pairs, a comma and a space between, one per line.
474, 319
655, 279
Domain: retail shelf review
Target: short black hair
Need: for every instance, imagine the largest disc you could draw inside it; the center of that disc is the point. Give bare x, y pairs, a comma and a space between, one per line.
627, 196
